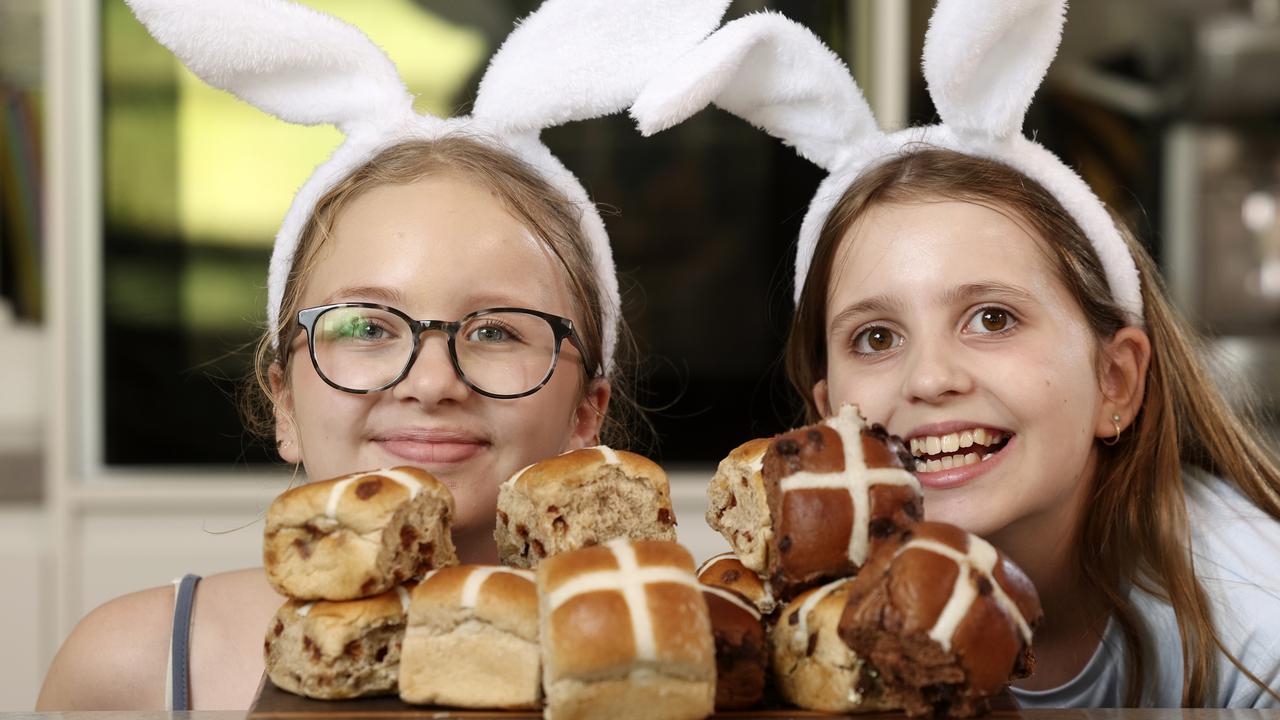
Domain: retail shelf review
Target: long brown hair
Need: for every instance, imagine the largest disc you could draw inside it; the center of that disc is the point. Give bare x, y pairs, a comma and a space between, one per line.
547, 213
1137, 501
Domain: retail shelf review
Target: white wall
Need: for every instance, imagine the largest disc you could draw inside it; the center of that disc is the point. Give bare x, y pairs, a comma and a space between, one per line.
24, 617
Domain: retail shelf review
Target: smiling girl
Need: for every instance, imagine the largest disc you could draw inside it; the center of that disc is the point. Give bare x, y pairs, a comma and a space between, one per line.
441, 294
956, 302
972, 294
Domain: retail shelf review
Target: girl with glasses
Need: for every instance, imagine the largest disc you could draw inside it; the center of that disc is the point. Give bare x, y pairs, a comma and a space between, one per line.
441, 294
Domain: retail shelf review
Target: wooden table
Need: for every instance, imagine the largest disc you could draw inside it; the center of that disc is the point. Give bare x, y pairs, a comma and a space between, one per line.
1002, 715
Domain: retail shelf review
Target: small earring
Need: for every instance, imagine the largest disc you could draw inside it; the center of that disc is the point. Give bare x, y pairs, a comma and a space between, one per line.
1115, 420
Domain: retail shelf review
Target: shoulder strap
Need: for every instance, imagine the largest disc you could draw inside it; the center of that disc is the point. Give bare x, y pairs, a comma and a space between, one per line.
178, 678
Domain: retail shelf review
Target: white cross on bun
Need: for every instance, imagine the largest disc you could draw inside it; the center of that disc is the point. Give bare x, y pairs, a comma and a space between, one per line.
358, 535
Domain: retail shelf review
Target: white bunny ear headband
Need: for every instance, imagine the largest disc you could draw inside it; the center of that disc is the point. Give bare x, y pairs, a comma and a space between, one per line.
569, 60
983, 60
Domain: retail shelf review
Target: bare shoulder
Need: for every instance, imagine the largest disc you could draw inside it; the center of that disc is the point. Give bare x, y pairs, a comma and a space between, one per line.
229, 621
115, 658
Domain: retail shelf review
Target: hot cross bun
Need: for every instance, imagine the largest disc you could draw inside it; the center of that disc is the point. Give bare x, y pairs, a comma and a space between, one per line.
945, 619
835, 490
472, 639
625, 633
334, 650
583, 497
358, 535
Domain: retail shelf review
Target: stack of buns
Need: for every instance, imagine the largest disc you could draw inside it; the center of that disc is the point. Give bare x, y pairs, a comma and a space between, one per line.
875, 609
342, 550
836, 596
379, 604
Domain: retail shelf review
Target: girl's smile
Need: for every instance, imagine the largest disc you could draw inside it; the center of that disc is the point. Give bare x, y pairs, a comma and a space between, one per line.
951, 454
435, 449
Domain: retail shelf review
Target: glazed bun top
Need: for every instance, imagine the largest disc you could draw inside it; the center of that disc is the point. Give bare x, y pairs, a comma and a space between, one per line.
578, 467
361, 501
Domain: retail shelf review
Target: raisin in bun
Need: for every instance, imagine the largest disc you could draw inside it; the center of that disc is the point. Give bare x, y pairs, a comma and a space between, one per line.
335, 650
835, 490
472, 640
358, 535
945, 619
625, 633
583, 497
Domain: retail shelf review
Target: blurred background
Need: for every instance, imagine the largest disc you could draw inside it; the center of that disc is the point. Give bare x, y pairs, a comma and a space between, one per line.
138, 206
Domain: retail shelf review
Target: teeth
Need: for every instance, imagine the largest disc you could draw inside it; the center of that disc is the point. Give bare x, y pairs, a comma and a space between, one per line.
935, 445
949, 462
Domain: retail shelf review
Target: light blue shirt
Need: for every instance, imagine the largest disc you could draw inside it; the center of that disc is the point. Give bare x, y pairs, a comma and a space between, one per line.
1236, 549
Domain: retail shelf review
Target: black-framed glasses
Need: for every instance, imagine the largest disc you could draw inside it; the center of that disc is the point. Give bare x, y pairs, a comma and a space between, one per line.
502, 353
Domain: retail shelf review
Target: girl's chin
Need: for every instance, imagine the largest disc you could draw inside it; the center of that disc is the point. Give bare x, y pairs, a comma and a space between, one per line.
969, 516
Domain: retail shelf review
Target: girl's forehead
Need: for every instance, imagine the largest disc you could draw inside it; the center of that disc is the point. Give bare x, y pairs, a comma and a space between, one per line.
436, 243
922, 252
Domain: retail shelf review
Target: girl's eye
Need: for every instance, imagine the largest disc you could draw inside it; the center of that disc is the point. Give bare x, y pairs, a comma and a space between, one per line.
875, 339
490, 334
362, 328
989, 320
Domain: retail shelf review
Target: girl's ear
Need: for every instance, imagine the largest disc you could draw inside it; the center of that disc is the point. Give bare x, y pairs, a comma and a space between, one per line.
822, 398
288, 446
588, 417
1122, 380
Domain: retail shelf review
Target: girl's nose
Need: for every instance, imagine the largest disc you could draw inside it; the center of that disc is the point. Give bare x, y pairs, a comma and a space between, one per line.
934, 372
432, 377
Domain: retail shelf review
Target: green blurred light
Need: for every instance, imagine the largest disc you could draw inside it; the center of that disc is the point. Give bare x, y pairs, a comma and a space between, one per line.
238, 168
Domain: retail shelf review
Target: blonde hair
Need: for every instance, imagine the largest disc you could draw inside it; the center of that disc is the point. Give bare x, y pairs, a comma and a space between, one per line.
1135, 527
545, 211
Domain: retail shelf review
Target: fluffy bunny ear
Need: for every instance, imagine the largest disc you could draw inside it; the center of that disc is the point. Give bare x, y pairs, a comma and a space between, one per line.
580, 59
984, 60
291, 61
775, 74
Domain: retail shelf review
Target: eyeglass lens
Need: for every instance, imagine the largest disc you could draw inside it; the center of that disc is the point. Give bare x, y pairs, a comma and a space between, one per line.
504, 353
